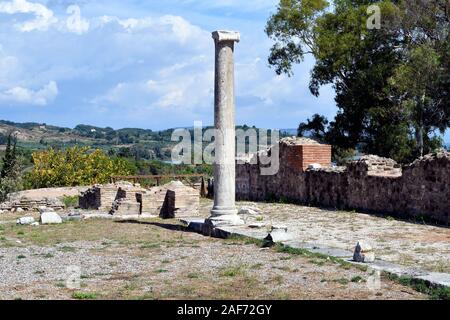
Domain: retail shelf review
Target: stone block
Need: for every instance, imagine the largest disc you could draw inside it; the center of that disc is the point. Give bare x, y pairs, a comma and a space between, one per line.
363, 253
50, 217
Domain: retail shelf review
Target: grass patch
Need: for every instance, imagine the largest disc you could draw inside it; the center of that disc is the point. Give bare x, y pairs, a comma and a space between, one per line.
67, 249
357, 279
422, 286
70, 201
84, 295
193, 275
306, 253
257, 266
21, 256
150, 246
232, 271
162, 271
341, 281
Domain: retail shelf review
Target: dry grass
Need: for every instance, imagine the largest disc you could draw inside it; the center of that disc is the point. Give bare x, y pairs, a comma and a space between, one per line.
156, 259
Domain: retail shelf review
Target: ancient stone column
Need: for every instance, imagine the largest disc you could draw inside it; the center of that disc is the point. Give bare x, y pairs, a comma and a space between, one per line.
224, 211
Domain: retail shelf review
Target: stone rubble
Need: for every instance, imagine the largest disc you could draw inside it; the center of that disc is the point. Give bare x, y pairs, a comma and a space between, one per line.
124, 199
363, 253
50, 217
25, 221
370, 184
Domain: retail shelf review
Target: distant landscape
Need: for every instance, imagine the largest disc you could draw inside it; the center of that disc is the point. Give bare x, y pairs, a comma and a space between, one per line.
147, 151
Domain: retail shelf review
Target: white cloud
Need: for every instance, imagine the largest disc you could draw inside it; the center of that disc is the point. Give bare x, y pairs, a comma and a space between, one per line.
253, 5
75, 23
23, 95
166, 27
43, 16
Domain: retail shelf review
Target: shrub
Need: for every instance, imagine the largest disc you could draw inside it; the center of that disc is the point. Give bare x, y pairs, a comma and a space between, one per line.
70, 201
73, 167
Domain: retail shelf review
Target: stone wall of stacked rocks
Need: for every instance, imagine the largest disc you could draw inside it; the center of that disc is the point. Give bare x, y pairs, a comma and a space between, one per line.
371, 184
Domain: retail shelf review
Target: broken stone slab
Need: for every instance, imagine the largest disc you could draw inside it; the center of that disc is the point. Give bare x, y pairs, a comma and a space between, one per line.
25, 221
72, 218
256, 225
252, 211
50, 217
363, 253
35, 224
314, 166
18, 210
279, 235
279, 227
43, 209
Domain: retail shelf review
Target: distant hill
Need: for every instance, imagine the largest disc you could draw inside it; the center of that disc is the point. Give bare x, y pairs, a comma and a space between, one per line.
128, 142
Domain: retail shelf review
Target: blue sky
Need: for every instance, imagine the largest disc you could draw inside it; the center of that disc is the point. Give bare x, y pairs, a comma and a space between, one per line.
145, 64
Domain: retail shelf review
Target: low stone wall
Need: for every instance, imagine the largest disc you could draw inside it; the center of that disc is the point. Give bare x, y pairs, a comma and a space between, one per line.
35, 198
124, 198
371, 184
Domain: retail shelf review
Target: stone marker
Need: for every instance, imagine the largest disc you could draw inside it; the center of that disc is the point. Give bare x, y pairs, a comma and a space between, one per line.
252, 211
42, 209
224, 211
363, 253
50, 217
25, 220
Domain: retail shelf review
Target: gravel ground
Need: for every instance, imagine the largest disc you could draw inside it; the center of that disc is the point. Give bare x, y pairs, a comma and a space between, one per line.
156, 259
402, 242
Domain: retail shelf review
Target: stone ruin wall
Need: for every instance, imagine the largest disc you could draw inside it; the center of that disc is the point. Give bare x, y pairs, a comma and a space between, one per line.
371, 184
124, 198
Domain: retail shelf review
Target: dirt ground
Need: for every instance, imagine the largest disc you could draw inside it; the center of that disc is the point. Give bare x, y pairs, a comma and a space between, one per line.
408, 243
156, 259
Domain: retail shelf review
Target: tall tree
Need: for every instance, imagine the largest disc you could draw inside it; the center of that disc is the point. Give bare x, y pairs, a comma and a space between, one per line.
314, 127
363, 65
10, 163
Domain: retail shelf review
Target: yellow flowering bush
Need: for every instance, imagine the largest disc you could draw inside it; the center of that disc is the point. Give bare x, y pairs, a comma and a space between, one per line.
74, 167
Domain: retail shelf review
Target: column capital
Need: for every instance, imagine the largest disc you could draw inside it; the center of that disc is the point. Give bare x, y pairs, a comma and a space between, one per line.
224, 35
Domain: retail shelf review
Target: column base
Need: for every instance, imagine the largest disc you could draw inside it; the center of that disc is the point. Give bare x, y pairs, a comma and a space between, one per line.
223, 217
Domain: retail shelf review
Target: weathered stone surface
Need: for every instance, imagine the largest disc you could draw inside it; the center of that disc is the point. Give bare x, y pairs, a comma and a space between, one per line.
252, 211
101, 197
42, 209
33, 199
123, 207
25, 220
363, 253
224, 210
126, 199
372, 184
180, 201
50, 217
256, 225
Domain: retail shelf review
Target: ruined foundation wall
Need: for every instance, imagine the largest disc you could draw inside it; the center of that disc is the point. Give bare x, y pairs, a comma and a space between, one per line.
371, 184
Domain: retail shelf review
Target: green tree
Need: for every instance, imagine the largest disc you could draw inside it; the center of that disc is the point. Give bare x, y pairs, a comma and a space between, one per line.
9, 168
363, 65
73, 167
314, 128
10, 178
